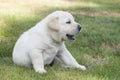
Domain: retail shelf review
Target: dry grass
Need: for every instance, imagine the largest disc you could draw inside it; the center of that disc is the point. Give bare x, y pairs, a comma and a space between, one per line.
96, 59
111, 47
97, 13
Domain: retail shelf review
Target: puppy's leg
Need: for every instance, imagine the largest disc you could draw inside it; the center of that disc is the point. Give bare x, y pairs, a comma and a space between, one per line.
69, 60
37, 61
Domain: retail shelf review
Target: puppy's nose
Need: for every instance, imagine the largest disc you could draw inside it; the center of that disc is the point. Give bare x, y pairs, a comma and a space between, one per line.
79, 27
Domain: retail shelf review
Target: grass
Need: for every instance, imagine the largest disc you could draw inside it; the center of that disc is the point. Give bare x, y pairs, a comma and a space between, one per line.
97, 46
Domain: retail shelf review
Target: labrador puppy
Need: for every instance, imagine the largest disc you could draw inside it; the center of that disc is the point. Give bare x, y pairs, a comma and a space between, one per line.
44, 42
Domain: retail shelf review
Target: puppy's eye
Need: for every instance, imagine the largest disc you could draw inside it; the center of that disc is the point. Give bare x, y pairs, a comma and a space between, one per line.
68, 22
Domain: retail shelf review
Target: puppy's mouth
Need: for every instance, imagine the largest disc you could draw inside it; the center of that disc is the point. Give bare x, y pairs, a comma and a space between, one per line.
70, 37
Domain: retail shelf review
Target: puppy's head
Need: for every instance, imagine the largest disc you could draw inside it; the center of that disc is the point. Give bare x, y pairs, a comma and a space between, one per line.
63, 23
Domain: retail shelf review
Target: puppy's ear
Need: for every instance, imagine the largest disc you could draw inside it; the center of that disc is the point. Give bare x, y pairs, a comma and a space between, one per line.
53, 24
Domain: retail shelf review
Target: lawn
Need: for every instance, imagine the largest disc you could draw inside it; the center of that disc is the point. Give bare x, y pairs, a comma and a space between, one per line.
97, 46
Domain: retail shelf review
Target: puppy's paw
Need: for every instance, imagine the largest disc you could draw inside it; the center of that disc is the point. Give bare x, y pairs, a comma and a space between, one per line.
82, 67
41, 71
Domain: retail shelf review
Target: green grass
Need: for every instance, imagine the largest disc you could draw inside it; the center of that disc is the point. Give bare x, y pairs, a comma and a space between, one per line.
97, 46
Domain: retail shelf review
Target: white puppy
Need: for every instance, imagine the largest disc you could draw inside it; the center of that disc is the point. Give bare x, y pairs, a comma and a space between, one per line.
44, 42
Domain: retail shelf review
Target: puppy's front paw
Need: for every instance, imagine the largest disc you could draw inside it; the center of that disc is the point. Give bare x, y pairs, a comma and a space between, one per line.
41, 71
82, 67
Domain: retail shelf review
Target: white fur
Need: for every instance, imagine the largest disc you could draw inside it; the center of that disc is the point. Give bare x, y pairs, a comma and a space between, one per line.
42, 43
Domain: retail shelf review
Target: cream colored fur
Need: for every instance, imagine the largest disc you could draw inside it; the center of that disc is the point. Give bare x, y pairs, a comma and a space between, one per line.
44, 42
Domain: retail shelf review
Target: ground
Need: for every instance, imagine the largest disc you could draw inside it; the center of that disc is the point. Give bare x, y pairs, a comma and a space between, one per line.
97, 46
